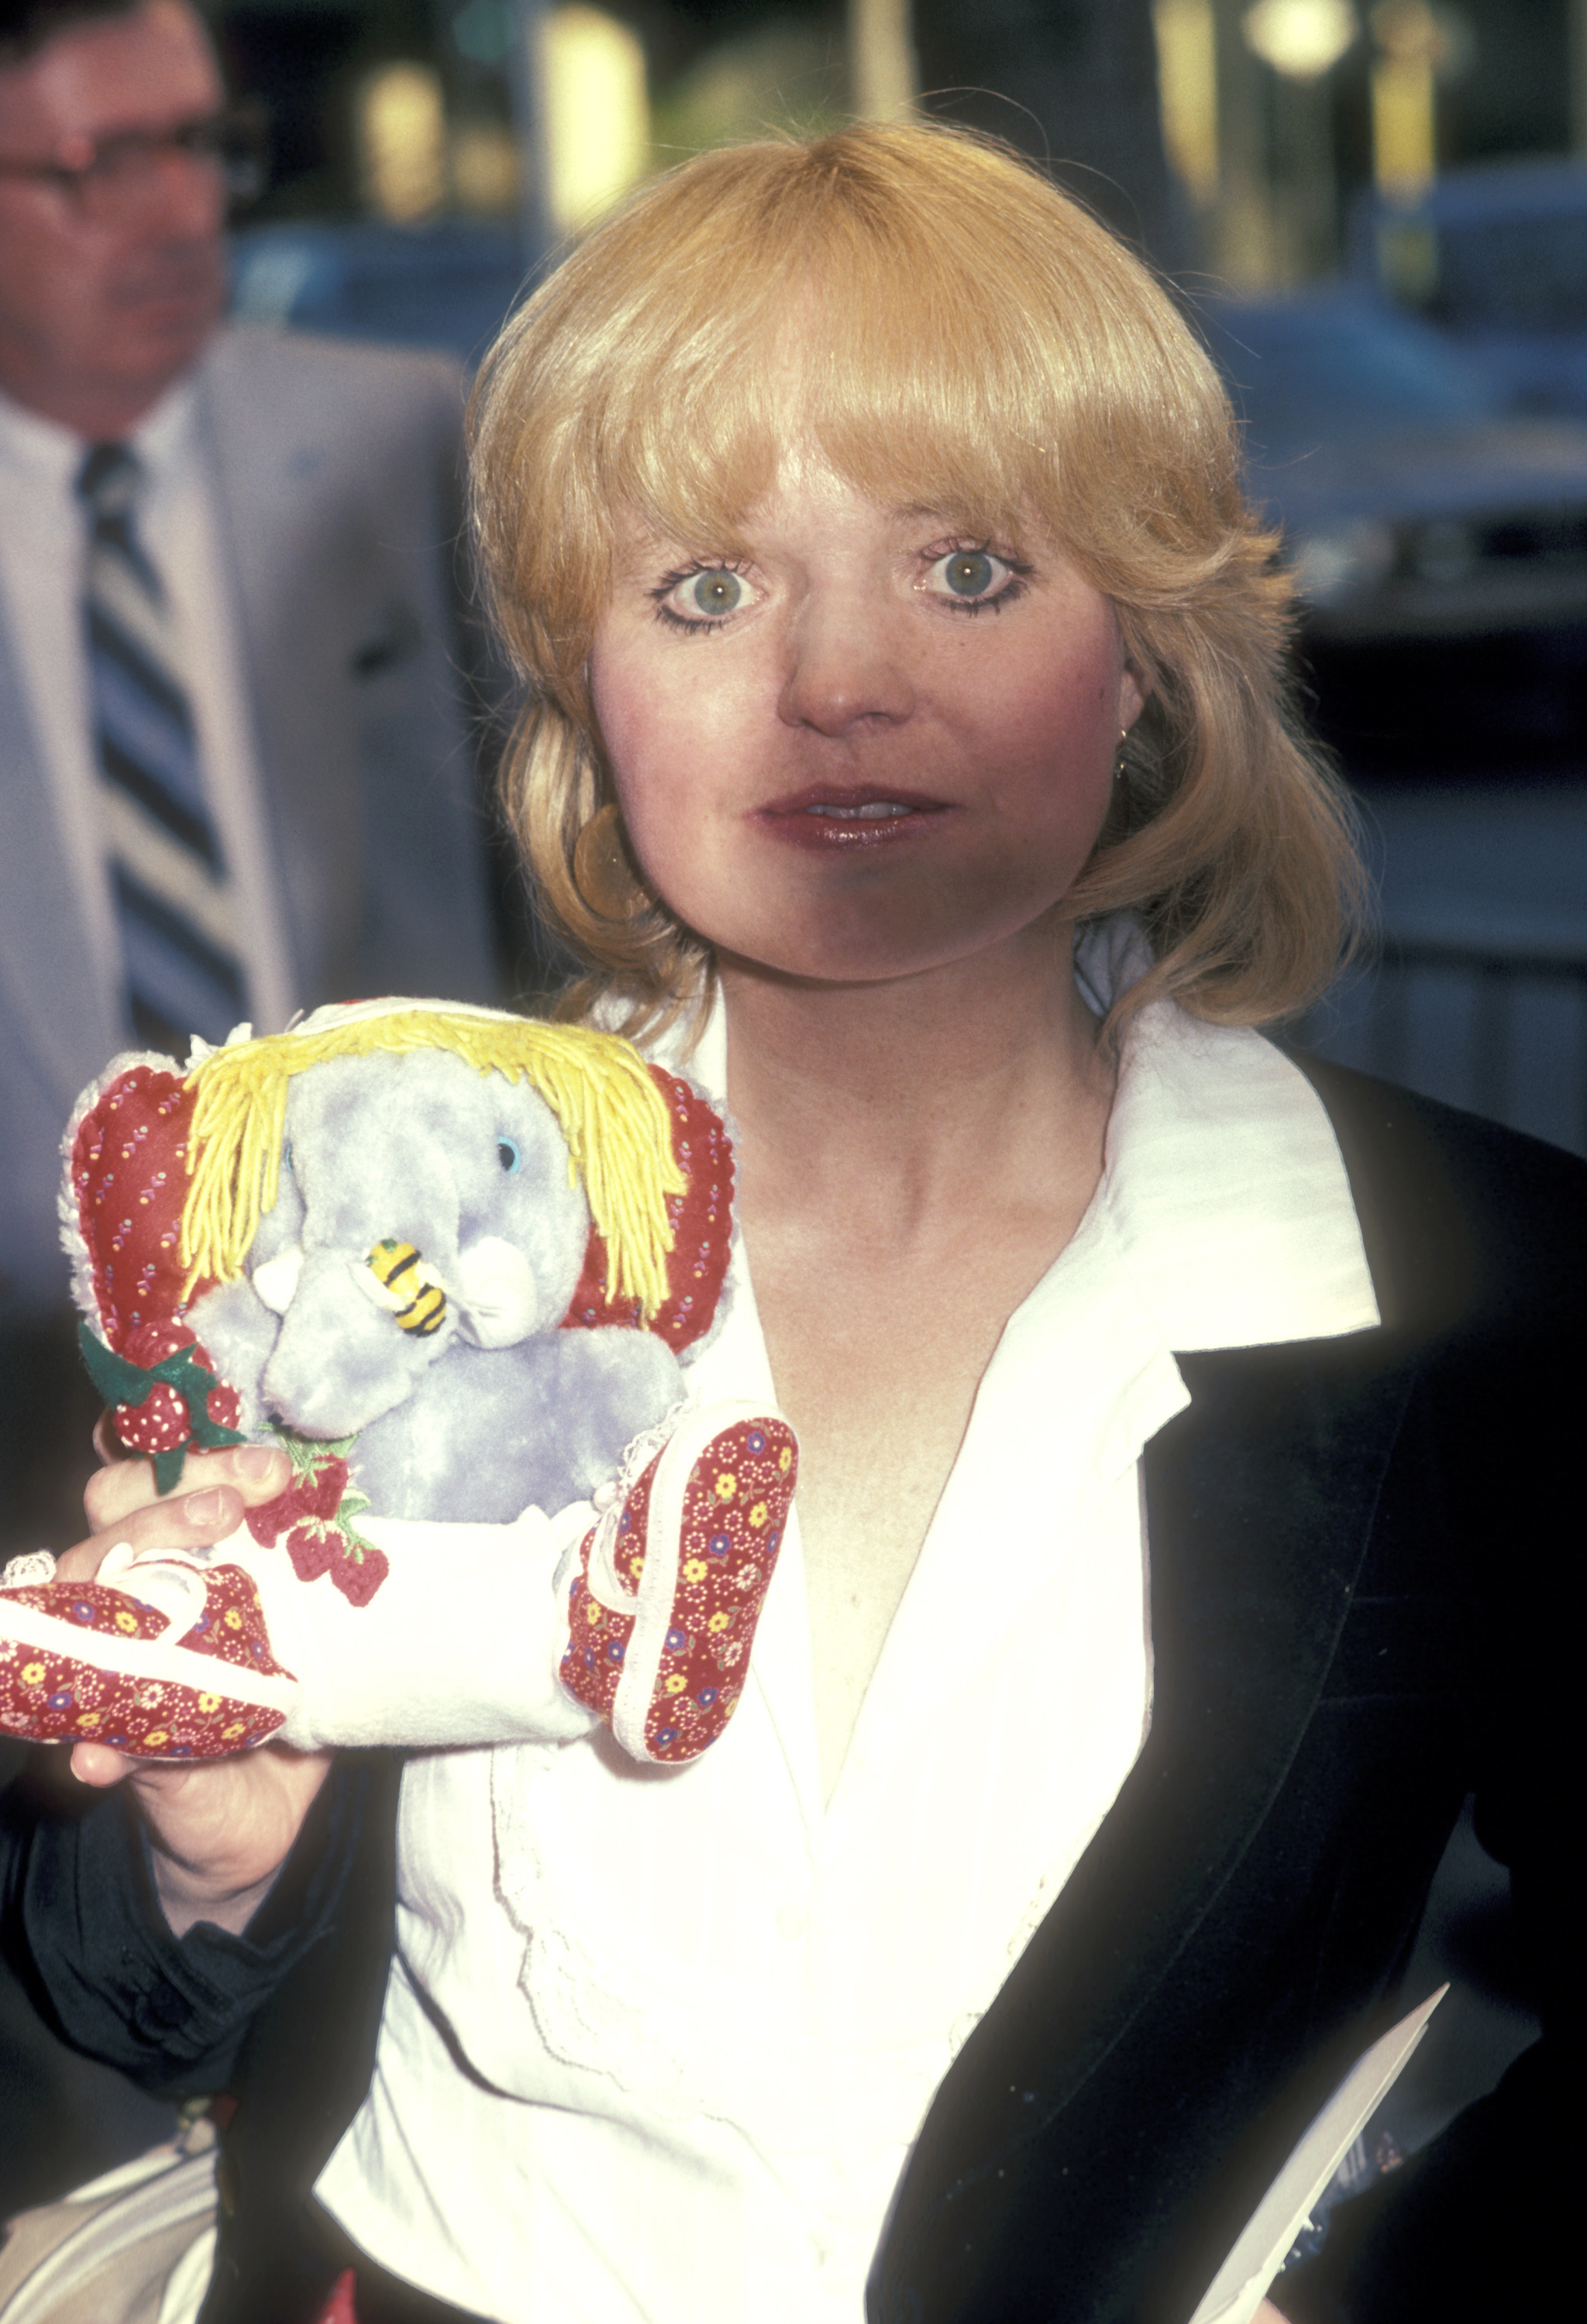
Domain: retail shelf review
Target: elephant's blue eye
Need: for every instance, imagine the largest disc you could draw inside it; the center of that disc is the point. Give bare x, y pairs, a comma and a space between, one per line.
507, 1154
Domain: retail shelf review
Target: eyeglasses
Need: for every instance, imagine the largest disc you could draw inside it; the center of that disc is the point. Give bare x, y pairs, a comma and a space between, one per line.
105, 178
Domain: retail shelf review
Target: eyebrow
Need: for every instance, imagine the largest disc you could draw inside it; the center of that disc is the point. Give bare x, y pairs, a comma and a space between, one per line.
633, 558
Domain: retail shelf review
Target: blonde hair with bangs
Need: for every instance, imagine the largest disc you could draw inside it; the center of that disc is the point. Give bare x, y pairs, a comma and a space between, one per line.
967, 340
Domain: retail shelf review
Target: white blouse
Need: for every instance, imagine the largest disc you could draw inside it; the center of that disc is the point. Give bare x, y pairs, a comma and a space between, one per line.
657, 2042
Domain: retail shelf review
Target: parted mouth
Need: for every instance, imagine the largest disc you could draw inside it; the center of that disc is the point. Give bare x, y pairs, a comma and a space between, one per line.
841, 818
852, 803
873, 810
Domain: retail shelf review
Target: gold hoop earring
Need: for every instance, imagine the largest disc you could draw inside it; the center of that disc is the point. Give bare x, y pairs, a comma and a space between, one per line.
602, 873
1119, 769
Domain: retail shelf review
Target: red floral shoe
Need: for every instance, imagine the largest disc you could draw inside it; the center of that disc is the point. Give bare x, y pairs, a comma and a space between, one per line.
84, 1662
673, 1578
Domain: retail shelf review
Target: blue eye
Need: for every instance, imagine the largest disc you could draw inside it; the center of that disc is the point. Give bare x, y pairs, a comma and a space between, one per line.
717, 592
702, 598
507, 1154
970, 573
971, 577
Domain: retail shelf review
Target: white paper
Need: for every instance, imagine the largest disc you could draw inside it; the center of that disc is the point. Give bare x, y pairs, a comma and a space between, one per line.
1240, 2284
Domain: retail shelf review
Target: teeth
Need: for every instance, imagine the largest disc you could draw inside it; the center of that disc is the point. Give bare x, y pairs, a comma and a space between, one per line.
873, 811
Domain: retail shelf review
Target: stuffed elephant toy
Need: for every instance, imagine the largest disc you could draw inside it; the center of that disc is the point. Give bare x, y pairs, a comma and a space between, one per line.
452, 1262
465, 1249
466, 1398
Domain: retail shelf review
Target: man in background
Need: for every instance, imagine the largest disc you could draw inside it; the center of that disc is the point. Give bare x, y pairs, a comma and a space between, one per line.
236, 771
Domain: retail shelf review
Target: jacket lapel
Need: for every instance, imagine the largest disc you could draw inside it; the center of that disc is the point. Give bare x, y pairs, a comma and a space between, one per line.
284, 527
1260, 1504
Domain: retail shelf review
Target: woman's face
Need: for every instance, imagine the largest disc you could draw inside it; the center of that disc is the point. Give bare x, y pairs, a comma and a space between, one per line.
872, 746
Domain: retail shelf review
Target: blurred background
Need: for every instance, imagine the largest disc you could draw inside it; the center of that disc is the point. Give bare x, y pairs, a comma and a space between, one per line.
1375, 214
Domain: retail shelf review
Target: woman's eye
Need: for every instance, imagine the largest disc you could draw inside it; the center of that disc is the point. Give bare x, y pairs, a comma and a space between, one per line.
969, 573
973, 577
720, 591
507, 1154
697, 600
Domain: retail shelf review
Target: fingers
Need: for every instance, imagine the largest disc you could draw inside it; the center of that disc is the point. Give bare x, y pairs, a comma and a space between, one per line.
221, 1827
255, 1473
225, 1484
190, 1521
97, 1766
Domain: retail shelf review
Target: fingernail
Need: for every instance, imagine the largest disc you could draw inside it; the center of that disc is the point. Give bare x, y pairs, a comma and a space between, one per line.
203, 1508
254, 1461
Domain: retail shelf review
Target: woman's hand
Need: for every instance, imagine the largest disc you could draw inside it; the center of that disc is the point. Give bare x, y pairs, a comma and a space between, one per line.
221, 1827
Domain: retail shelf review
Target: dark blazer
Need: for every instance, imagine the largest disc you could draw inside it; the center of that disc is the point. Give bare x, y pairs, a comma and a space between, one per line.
1358, 1615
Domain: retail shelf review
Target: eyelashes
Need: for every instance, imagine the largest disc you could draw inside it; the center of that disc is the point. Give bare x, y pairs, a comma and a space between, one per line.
968, 571
701, 597
705, 595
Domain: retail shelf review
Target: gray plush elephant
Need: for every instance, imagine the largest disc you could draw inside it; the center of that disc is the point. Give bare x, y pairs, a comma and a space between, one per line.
449, 1259
405, 1279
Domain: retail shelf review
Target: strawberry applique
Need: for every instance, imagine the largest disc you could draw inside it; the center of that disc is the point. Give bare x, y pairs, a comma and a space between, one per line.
164, 1395
315, 1515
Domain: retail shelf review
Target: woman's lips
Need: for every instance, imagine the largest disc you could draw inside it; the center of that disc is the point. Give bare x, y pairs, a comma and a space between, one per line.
829, 816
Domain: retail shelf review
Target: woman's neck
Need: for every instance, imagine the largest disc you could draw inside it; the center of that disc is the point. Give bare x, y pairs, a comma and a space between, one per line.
896, 1096
912, 1157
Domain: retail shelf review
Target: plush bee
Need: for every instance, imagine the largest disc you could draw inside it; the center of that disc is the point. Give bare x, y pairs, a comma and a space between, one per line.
405, 1286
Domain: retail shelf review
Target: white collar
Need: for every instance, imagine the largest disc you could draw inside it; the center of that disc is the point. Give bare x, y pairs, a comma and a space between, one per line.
44, 451
52, 454
1226, 1190
1222, 1181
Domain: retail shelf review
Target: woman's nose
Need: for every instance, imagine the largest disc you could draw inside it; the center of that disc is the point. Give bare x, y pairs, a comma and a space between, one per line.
842, 670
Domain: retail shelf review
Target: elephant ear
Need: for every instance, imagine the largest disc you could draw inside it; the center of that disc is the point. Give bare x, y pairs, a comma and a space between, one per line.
126, 1154
702, 1231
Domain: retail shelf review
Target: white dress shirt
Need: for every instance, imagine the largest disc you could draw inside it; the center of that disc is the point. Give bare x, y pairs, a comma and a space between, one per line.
42, 550
701, 2016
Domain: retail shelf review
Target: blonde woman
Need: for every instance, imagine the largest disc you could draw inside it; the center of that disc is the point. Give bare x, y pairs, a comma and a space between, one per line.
905, 747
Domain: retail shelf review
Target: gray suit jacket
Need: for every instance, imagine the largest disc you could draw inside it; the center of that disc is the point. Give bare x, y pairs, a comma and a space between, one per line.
337, 472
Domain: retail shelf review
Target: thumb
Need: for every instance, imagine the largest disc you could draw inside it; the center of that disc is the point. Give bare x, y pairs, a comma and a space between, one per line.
192, 1521
99, 1766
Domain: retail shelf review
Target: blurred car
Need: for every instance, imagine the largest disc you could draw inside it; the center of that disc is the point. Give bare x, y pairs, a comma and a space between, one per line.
1413, 504
1497, 256
1439, 542
448, 284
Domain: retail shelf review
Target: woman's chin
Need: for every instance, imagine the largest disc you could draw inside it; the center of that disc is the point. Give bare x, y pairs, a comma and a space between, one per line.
873, 957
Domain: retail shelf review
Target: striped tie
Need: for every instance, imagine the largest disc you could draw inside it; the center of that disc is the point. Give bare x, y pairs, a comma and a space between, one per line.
175, 905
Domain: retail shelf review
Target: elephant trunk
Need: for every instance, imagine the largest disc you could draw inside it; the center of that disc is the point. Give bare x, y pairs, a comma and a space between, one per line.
355, 1336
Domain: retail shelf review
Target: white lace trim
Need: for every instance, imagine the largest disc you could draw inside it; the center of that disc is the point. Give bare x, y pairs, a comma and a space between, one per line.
588, 2008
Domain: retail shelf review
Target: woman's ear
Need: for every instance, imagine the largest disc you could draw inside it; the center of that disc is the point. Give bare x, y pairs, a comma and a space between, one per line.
1133, 690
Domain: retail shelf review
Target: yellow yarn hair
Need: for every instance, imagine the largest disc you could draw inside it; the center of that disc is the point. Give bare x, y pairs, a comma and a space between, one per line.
611, 1113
